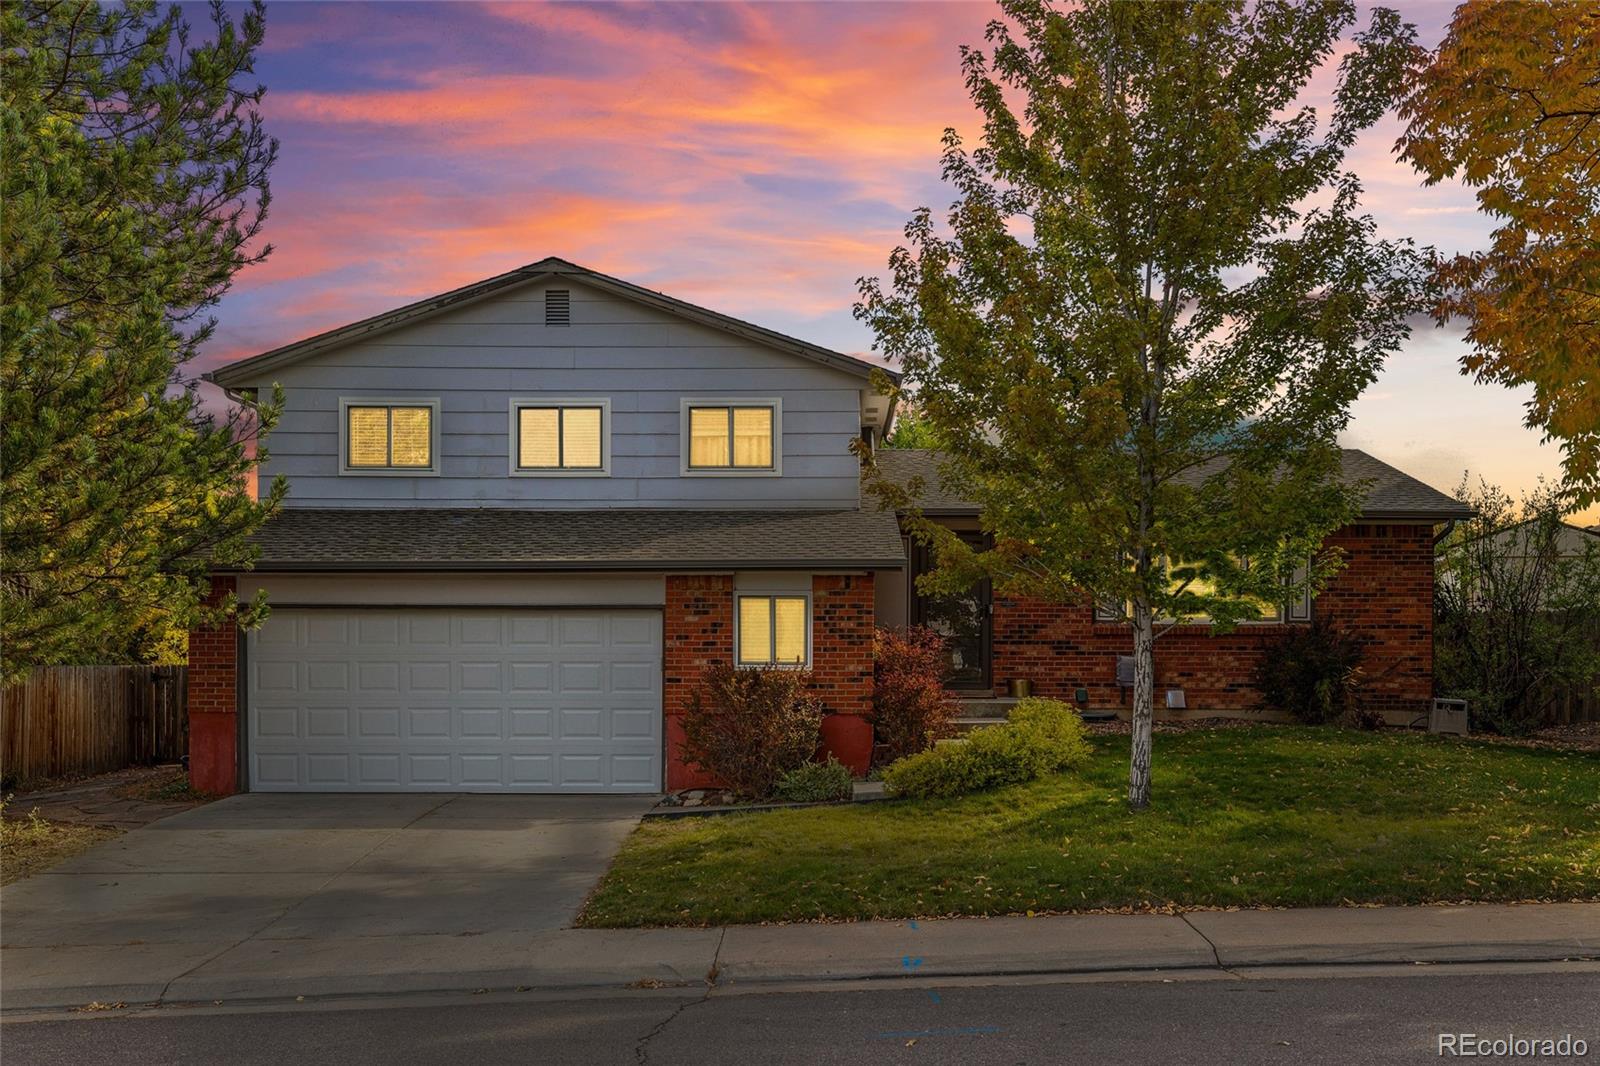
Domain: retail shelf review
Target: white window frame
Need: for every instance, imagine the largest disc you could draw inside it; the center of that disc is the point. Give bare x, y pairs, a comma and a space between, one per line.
514, 434
740, 595
347, 402
775, 470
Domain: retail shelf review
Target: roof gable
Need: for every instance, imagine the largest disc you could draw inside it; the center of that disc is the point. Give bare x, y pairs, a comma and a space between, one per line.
240, 372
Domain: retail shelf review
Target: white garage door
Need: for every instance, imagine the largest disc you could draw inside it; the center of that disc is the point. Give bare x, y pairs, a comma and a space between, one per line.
455, 700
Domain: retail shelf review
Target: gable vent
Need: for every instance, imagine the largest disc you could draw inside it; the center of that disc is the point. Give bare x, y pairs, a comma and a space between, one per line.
557, 307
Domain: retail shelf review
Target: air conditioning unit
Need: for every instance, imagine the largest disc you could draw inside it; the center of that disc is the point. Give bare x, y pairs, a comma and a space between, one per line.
1448, 716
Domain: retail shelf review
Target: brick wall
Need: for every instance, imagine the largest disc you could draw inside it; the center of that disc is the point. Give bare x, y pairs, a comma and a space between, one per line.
213, 701
842, 618
698, 629
1384, 593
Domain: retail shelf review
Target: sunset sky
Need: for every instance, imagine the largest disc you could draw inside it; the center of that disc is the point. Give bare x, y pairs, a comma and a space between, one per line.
753, 158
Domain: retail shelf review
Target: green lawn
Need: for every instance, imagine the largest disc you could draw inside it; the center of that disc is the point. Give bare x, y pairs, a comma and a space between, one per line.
1263, 816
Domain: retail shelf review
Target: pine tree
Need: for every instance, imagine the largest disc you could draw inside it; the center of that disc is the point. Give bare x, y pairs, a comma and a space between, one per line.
135, 186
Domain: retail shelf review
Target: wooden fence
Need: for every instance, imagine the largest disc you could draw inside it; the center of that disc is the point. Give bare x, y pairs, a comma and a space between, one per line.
1573, 703
90, 719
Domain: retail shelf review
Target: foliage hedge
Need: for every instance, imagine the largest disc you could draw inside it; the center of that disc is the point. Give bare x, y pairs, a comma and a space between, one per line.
1042, 737
750, 727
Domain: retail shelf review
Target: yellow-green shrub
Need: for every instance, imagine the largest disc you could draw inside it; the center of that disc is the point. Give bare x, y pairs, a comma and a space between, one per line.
1041, 737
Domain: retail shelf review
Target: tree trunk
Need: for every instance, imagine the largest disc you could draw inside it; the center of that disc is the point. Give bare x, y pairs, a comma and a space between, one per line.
1144, 689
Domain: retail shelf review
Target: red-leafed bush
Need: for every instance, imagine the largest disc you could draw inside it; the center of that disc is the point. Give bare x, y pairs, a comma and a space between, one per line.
910, 707
750, 727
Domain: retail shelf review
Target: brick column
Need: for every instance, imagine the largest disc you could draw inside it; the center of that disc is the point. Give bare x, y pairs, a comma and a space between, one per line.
842, 617
213, 701
698, 631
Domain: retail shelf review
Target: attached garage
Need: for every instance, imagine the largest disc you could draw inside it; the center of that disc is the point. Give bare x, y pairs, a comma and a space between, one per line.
429, 699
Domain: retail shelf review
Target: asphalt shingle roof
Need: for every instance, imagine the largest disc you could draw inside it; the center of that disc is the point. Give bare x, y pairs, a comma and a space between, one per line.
1391, 493
494, 538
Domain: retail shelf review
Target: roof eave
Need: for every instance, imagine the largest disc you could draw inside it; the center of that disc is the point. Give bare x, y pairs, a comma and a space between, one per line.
562, 566
239, 372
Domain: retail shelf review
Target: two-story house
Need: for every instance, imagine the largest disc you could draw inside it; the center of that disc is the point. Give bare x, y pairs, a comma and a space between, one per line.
523, 516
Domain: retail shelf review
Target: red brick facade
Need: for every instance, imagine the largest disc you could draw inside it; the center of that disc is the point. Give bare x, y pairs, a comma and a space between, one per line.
699, 631
842, 619
213, 701
1384, 593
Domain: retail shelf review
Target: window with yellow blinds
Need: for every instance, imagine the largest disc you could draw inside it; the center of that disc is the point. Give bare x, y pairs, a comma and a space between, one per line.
559, 437
773, 630
389, 437
730, 438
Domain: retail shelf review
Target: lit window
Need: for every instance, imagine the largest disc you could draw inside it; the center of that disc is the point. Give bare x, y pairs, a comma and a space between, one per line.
388, 437
560, 438
772, 630
730, 438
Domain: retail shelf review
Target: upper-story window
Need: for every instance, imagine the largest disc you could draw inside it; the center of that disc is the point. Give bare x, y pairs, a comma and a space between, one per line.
389, 436
560, 437
727, 437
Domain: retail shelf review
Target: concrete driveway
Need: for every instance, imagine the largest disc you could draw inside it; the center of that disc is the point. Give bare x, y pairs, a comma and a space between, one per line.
255, 880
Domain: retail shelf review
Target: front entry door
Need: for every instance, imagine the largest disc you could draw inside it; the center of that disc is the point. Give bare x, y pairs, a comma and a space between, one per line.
963, 620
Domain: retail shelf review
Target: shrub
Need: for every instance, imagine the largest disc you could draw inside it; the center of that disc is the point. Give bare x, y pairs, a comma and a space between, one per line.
1314, 673
1516, 609
1041, 737
910, 707
816, 782
749, 727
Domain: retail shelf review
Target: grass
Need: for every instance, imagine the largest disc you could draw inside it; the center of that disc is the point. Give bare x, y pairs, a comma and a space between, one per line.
31, 844
1242, 817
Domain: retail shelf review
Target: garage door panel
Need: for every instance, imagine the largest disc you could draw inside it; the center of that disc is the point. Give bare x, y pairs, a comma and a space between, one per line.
328, 676
377, 677
379, 769
633, 677
481, 630
425, 629
378, 630
323, 723
325, 628
533, 677
378, 723
457, 700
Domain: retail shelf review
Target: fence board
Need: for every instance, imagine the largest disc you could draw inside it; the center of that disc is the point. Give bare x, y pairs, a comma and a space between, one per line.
91, 719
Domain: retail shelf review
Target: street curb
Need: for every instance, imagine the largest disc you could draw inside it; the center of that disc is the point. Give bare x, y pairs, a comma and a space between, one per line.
64, 1001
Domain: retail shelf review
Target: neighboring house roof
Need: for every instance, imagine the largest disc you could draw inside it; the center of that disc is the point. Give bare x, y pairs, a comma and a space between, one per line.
510, 538
245, 370
1391, 493
1568, 540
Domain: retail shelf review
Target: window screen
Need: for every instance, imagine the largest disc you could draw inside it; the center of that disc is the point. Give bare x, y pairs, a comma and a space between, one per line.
772, 630
560, 438
730, 438
388, 437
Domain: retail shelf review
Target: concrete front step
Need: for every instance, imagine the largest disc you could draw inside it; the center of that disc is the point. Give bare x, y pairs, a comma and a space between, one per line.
977, 713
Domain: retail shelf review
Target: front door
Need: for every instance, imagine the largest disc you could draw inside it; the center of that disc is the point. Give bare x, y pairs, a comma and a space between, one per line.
964, 621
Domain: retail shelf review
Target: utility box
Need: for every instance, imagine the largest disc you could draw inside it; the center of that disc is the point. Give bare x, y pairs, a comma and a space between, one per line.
1448, 716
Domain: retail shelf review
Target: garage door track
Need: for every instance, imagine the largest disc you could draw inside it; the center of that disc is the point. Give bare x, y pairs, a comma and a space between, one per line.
256, 882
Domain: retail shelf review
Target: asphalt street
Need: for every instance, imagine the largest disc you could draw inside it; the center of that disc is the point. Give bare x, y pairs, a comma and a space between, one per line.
1344, 1017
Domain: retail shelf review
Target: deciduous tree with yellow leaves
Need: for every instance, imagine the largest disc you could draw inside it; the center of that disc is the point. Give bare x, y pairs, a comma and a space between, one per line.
1510, 104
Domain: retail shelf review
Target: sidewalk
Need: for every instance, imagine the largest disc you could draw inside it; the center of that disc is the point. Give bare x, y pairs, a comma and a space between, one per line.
61, 977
